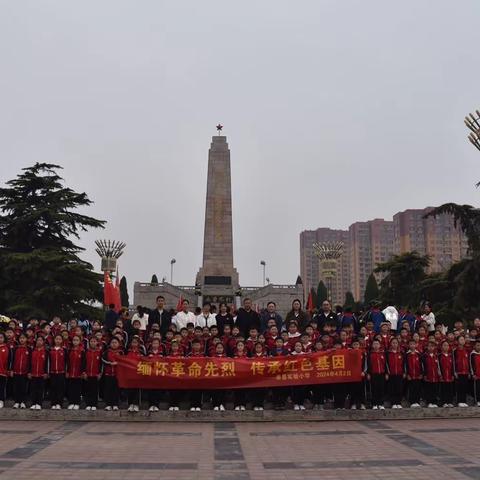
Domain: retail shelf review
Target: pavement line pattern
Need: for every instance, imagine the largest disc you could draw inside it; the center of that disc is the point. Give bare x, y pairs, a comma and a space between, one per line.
280, 433
116, 465
146, 434
344, 464
228, 454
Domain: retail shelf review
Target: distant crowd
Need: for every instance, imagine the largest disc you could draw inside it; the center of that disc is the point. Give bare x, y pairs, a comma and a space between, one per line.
409, 359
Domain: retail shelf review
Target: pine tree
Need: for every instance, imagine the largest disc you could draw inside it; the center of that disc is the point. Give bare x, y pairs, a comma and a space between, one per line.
299, 280
349, 301
154, 280
322, 294
40, 271
371, 290
124, 292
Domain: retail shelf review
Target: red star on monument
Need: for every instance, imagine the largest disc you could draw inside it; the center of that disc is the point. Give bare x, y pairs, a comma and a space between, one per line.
219, 127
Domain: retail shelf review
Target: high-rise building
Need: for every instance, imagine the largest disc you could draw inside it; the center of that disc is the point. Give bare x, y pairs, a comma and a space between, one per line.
437, 237
310, 270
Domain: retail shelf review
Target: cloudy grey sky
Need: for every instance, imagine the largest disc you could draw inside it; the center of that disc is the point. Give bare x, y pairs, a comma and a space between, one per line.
335, 111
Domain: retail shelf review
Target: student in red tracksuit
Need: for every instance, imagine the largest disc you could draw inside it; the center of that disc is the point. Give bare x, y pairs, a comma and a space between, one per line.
111, 392
39, 367
58, 369
155, 354
431, 376
461, 369
357, 389
447, 379
414, 371
20, 366
136, 352
475, 370
377, 374
92, 373
396, 373
240, 394
76, 367
196, 394
5, 361
257, 395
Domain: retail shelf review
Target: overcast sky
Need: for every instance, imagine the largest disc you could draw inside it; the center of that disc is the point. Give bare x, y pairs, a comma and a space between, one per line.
335, 112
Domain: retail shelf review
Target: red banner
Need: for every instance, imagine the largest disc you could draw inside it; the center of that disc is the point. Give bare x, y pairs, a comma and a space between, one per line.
178, 373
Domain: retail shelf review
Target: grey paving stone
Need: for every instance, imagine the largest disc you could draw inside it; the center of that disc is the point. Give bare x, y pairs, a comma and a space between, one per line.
281, 433
343, 464
116, 466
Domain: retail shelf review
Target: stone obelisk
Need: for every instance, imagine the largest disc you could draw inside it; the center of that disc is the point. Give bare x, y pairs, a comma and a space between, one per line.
218, 278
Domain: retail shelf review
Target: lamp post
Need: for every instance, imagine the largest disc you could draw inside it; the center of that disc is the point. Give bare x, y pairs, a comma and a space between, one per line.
263, 264
172, 262
473, 123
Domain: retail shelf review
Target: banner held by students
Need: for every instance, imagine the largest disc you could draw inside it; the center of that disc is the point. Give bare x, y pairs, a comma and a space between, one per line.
334, 366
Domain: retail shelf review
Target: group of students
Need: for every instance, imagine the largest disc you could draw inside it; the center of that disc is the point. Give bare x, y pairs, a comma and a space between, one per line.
53, 360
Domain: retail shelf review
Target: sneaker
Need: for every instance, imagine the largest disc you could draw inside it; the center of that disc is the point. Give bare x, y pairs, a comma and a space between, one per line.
88, 408
33, 407
415, 405
115, 407
53, 407
353, 407
152, 409
76, 407
222, 408
130, 408
193, 409
2, 403
171, 409
375, 407
216, 409
59, 407
394, 407
156, 409
93, 408
237, 408
70, 407
255, 409
22, 405
16, 405
363, 407
381, 407
399, 406
136, 408
302, 407
38, 407
478, 404
242, 408
295, 407
108, 408
260, 409
198, 409
462, 405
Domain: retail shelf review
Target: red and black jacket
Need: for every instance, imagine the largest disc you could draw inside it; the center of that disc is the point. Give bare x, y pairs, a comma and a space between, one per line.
5, 359
39, 365
395, 363
377, 363
108, 357
21, 359
445, 362
475, 364
58, 360
76, 362
431, 368
157, 355
93, 363
413, 365
461, 361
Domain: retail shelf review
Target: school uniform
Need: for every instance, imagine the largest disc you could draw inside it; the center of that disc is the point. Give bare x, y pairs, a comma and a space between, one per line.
76, 367
257, 395
58, 368
431, 377
93, 369
376, 368
154, 394
298, 392
461, 369
396, 371
21, 357
280, 394
475, 372
195, 395
133, 394
39, 367
356, 390
111, 390
5, 360
175, 395
414, 370
447, 379
240, 394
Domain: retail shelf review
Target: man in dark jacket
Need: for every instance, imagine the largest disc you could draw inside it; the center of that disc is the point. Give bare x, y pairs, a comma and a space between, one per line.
269, 314
326, 316
247, 318
111, 317
161, 316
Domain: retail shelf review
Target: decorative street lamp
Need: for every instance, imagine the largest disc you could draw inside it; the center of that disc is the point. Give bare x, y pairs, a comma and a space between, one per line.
109, 251
473, 123
328, 253
172, 262
263, 264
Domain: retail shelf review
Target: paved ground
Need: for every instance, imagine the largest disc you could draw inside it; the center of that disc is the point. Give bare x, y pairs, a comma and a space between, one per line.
422, 449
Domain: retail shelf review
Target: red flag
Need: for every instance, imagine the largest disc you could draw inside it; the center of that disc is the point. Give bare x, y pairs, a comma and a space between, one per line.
179, 303
310, 305
111, 294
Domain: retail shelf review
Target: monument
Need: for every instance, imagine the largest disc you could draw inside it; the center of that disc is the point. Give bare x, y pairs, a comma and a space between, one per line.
217, 280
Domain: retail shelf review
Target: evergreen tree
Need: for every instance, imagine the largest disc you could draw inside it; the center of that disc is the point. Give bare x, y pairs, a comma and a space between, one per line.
154, 280
124, 292
372, 291
299, 280
349, 301
322, 294
40, 270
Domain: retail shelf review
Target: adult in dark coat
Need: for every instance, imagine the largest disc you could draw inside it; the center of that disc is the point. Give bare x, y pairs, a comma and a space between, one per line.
298, 315
111, 317
247, 318
326, 316
161, 316
268, 314
223, 317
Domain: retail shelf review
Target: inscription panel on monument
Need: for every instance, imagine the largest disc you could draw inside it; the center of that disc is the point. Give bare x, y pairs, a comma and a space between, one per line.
228, 299
217, 280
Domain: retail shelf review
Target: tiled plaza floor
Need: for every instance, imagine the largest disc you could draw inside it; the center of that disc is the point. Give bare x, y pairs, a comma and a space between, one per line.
426, 449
